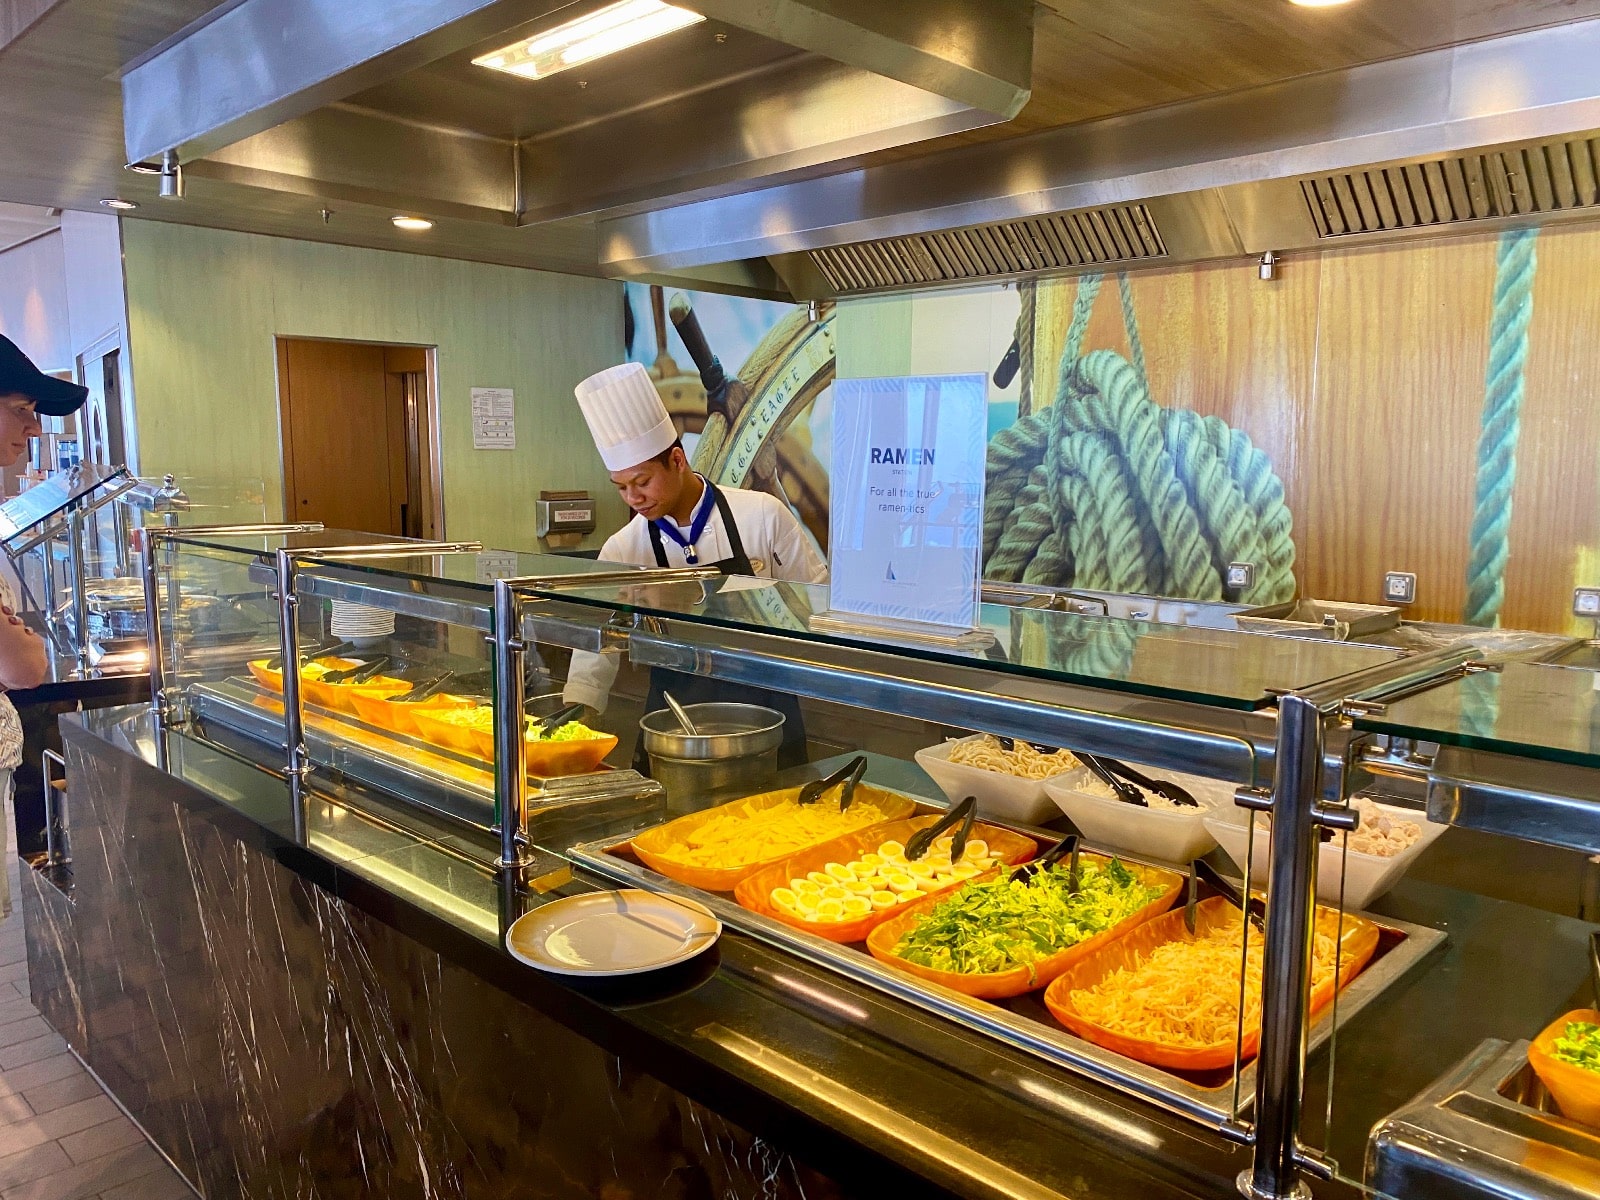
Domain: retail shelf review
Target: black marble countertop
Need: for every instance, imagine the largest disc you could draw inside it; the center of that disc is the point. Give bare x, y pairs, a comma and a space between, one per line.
866, 1088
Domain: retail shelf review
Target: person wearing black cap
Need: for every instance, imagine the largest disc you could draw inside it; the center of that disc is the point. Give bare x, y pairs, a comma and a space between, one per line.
26, 394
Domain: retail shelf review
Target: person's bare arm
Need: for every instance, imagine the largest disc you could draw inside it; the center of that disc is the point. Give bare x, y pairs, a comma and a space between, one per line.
23, 658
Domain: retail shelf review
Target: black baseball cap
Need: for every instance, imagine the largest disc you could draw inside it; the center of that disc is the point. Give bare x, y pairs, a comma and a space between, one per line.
51, 397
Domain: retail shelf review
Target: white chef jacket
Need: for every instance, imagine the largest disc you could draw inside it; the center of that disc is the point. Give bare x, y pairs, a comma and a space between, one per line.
777, 545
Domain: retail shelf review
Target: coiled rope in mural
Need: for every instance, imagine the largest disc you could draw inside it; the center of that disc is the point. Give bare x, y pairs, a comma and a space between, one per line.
1515, 264
1106, 490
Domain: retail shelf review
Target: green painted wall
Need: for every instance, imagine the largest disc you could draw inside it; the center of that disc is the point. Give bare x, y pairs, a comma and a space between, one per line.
205, 305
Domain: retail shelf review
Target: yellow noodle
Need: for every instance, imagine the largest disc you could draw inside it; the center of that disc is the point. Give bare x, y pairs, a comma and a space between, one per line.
988, 754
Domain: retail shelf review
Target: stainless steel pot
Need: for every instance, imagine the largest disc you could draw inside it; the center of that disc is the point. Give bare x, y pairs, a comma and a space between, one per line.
734, 753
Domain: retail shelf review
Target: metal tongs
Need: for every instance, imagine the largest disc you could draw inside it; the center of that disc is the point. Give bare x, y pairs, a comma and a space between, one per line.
849, 775
359, 673
548, 725
1594, 965
1120, 788
338, 649
428, 687
1199, 869
1164, 788
1066, 848
919, 843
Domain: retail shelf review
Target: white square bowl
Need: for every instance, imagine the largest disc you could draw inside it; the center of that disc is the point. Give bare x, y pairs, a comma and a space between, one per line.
1001, 797
1166, 835
1367, 877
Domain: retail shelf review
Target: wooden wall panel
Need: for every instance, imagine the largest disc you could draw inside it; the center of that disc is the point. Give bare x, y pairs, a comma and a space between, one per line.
1392, 429
1555, 516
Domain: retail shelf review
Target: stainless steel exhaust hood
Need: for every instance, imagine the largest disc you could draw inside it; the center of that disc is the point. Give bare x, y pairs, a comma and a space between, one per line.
382, 104
780, 147
1495, 131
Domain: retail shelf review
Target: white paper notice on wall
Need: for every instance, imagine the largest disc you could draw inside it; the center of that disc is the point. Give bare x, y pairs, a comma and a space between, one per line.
494, 419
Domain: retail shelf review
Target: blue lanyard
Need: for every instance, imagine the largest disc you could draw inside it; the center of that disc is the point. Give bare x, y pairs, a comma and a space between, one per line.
697, 525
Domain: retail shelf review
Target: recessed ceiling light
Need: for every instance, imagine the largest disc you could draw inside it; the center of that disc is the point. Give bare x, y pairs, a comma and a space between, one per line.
147, 167
120, 205
414, 223
605, 31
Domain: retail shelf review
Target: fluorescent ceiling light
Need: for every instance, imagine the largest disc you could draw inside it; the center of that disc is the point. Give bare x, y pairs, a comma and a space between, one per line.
120, 205
414, 223
1318, 3
605, 31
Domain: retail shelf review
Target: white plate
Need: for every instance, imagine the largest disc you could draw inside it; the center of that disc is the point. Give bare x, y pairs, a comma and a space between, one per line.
612, 933
1167, 835
1367, 876
1000, 796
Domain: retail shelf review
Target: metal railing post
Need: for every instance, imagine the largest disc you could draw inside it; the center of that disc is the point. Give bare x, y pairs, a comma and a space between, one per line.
149, 544
1286, 963
297, 765
510, 750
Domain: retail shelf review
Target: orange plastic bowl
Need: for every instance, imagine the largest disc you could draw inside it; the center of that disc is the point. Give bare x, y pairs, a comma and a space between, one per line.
755, 893
547, 760
1576, 1090
388, 712
661, 848
1001, 984
1360, 942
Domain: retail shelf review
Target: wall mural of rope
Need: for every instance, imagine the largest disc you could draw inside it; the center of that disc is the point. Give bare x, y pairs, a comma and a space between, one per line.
1106, 490
1516, 263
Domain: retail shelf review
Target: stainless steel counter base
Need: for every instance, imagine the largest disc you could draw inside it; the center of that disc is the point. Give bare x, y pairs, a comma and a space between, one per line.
1486, 1131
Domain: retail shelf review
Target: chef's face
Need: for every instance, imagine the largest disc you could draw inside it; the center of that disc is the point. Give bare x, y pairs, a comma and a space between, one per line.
18, 423
652, 488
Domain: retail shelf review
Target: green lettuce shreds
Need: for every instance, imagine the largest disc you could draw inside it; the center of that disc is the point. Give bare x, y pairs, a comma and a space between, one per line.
998, 925
1579, 1044
572, 731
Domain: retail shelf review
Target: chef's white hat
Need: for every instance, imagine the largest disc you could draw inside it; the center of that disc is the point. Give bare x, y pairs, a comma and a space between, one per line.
626, 417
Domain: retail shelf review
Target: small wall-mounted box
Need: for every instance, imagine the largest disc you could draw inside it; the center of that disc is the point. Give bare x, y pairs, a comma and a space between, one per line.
563, 513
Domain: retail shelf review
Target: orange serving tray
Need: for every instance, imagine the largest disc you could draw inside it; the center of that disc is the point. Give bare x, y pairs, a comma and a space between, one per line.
1001, 984
331, 695
545, 759
1576, 1090
1360, 942
655, 846
755, 892
388, 712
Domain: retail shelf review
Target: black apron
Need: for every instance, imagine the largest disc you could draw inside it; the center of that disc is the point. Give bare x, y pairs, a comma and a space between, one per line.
697, 689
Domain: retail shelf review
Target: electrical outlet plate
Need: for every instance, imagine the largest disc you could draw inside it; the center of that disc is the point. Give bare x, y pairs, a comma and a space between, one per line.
1586, 602
1399, 587
1240, 576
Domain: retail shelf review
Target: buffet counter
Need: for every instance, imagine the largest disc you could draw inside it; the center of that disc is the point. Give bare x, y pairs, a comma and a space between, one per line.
329, 881
342, 1018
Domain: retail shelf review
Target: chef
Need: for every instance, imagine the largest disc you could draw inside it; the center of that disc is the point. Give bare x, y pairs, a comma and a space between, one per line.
682, 519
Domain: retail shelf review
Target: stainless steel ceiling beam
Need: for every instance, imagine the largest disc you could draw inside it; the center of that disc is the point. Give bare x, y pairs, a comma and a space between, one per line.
978, 53
1521, 87
263, 62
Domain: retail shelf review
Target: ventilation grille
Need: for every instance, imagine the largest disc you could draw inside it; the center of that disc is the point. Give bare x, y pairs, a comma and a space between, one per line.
1557, 177
1125, 233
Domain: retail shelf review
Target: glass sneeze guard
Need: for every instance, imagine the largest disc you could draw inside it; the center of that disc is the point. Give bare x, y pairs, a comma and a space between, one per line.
1220, 668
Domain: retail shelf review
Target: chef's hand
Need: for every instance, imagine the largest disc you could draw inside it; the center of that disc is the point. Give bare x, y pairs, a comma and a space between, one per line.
11, 616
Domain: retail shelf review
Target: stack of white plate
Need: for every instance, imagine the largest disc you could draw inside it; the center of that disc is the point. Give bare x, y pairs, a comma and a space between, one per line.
359, 623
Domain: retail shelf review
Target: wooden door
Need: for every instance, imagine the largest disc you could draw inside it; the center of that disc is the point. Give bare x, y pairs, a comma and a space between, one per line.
338, 436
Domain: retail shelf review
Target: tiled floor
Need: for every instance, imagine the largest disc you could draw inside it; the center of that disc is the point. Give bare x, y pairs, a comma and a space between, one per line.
61, 1137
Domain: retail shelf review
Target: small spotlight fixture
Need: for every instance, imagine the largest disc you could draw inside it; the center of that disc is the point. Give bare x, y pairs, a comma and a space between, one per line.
148, 167
119, 205
605, 31
171, 175
415, 224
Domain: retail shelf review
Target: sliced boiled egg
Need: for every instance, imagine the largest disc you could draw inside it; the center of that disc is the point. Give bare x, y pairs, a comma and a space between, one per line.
857, 906
901, 883
840, 872
830, 910
883, 900
785, 898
